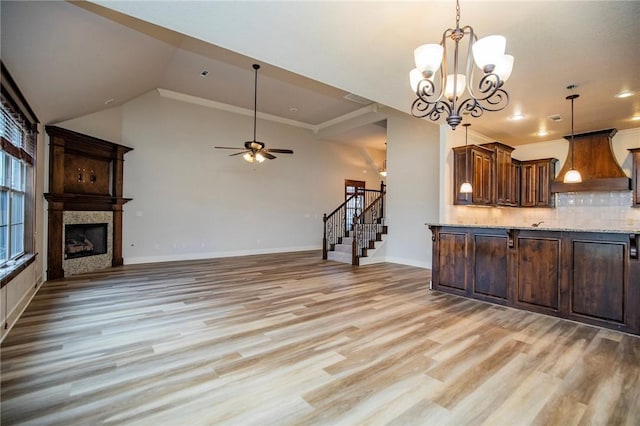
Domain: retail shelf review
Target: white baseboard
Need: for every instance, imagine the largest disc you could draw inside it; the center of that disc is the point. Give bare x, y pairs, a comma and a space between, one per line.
214, 255
409, 262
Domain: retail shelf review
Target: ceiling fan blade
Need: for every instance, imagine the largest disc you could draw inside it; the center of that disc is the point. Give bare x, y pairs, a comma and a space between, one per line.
265, 154
226, 147
238, 153
280, 151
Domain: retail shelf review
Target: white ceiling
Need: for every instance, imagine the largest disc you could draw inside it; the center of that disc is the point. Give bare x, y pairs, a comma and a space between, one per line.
69, 60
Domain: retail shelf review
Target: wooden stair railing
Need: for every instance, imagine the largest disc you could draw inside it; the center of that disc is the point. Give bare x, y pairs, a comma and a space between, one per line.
338, 224
368, 228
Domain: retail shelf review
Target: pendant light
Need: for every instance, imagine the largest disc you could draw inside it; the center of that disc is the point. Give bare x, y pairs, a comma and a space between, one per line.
442, 86
466, 187
572, 176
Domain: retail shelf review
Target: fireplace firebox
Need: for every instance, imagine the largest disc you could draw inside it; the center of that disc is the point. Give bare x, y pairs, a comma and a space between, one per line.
86, 239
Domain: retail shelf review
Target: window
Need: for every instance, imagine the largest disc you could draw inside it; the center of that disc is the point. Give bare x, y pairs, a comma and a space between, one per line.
17, 159
12, 200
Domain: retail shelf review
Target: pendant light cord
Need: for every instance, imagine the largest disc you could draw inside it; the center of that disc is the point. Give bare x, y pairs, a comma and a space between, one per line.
255, 100
572, 98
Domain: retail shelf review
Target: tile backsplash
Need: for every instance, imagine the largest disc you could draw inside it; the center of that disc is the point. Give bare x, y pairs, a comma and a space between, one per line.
577, 210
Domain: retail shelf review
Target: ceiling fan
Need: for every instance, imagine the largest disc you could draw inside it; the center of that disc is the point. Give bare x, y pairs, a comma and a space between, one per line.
254, 150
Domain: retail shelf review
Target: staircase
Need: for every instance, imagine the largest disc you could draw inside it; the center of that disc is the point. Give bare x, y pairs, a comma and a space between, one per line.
355, 231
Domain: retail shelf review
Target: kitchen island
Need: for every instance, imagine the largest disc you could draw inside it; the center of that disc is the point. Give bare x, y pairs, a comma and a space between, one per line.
590, 276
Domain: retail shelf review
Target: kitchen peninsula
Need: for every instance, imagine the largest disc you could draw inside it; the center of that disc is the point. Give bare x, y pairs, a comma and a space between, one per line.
590, 276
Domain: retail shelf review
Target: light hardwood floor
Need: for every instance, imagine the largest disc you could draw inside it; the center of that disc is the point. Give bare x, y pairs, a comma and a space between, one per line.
291, 339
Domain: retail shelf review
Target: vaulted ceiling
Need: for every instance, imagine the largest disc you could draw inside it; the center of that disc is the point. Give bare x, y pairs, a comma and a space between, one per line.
72, 59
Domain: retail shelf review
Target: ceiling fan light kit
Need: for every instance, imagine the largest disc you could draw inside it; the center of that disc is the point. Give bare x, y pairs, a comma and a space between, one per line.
255, 151
443, 96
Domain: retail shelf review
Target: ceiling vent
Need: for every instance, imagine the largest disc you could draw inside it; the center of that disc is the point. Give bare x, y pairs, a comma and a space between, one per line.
593, 157
358, 99
555, 117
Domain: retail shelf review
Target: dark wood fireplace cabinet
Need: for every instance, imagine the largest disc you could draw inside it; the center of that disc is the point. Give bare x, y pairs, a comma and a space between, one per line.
85, 174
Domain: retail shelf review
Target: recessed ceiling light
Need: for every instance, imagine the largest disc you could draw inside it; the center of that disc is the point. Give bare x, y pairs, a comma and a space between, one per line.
625, 94
542, 132
109, 101
204, 73
636, 117
293, 109
517, 116
555, 117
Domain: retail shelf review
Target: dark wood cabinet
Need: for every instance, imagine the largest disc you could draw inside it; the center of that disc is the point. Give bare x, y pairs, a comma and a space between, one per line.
489, 265
591, 277
474, 164
535, 183
505, 175
635, 175
515, 181
500, 180
452, 252
599, 285
537, 271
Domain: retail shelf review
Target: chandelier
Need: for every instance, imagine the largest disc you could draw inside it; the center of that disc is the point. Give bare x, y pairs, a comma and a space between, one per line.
444, 95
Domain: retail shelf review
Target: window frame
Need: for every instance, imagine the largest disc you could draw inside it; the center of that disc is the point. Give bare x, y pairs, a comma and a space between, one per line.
18, 142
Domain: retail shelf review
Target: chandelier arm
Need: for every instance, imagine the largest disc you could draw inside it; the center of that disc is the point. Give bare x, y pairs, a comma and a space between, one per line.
433, 110
470, 72
493, 96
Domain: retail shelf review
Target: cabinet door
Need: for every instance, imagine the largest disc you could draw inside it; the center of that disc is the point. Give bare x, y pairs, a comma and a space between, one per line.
490, 257
535, 183
598, 279
461, 173
544, 198
503, 177
538, 270
635, 175
527, 184
482, 177
452, 261
514, 170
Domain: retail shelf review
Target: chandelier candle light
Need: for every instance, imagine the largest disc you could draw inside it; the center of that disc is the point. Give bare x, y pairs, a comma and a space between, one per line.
434, 100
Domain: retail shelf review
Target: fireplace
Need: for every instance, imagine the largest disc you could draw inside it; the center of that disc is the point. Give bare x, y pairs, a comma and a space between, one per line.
85, 202
86, 239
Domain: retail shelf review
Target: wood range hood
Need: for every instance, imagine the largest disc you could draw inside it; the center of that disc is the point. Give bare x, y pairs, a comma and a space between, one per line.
593, 157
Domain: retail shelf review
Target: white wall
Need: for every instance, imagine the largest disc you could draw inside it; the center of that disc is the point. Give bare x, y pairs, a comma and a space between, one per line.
413, 188
192, 201
581, 210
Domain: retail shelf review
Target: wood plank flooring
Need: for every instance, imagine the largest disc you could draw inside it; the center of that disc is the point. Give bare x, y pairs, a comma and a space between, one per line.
289, 339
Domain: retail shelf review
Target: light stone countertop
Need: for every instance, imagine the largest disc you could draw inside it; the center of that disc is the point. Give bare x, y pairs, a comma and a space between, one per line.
630, 230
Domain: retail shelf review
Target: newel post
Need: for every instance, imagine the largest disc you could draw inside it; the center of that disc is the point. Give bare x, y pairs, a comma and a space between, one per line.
324, 236
383, 190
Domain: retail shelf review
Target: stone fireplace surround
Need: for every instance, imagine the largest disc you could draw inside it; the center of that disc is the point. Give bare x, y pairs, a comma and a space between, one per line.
90, 263
85, 186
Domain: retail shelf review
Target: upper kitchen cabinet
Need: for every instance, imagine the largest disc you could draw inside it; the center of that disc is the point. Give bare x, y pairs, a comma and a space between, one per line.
535, 184
473, 164
506, 184
635, 175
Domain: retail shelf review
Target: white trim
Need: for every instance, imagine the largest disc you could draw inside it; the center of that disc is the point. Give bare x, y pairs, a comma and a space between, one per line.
217, 254
409, 262
21, 306
348, 116
169, 94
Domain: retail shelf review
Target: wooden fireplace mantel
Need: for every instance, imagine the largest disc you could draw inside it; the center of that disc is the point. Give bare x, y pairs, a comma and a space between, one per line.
85, 174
